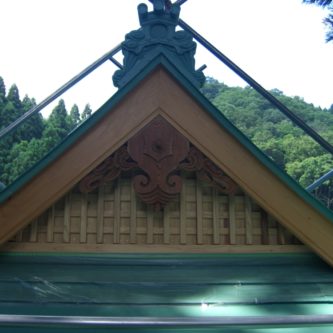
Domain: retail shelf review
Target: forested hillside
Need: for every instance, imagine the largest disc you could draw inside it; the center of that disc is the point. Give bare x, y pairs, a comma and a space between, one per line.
269, 129
289, 147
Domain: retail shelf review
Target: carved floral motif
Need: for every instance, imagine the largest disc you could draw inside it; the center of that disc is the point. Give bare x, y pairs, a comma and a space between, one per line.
208, 172
158, 149
108, 170
156, 155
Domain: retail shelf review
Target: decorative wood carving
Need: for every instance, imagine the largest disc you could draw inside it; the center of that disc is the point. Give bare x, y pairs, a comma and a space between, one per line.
108, 170
157, 154
207, 171
158, 149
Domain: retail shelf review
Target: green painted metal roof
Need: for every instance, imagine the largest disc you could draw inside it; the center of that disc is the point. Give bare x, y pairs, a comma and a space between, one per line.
166, 286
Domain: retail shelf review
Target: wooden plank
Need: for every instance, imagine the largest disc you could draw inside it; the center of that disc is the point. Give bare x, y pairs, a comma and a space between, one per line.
150, 225
264, 227
116, 219
152, 248
133, 232
50, 224
100, 215
166, 225
232, 220
199, 213
19, 236
248, 220
216, 219
84, 218
67, 219
33, 231
183, 219
281, 234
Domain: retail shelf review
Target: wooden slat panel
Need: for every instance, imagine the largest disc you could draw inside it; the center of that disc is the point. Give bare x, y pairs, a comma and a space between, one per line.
50, 224
19, 236
183, 214
281, 235
166, 225
248, 219
216, 219
264, 227
150, 225
133, 231
199, 208
33, 231
67, 227
100, 215
84, 218
199, 213
116, 220
232, 220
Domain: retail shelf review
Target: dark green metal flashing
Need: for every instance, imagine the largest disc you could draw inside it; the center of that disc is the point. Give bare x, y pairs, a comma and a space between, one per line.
163, 60
158, 35
134, 286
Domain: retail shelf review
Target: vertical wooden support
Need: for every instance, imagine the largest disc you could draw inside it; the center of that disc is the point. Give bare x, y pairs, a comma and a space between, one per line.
248, 220
273, 237
166, 225
264, 227
50, 224
183, 215
150, 225
19, 236
100, 215
84, 218
133, 230
232, 220
33, 231
67, 219
116, 220
216, 220
199, 213
281, 235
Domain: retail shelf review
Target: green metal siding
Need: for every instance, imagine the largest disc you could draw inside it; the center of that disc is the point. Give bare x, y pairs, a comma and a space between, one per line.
165, 286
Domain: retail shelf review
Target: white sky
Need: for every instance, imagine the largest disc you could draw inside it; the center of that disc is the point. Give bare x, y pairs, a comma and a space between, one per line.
280, 43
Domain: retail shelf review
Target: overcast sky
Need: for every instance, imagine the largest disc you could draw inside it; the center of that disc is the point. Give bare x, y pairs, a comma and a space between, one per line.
280, 43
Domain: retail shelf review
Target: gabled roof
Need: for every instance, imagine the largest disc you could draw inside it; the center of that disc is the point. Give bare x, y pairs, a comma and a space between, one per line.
161, 89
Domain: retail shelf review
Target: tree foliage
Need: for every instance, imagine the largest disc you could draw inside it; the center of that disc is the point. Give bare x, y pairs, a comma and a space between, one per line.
329, 19
287, 145
31, 141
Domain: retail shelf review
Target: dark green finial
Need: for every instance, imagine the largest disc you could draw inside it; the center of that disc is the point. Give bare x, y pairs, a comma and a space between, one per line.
158, 35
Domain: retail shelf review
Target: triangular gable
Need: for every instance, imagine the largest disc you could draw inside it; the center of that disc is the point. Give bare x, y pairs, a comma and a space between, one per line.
192, 115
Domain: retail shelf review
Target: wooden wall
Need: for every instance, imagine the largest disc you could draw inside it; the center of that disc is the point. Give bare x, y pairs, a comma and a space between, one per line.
113, 219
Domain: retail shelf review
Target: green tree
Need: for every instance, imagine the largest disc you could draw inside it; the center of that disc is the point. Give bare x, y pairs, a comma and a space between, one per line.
74, 116
329, 19
86, 113
57, 126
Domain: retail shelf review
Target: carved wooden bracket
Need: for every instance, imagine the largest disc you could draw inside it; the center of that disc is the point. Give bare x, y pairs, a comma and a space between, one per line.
157, 154
158, 149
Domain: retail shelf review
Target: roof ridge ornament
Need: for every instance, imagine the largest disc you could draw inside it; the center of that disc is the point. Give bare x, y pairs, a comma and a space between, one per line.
158, 35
